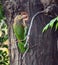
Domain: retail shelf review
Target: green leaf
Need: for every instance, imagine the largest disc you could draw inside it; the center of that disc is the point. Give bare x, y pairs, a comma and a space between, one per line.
1, 12
5, 38
56, 26
52, 22
1, 40
46, 28
57, 18
5, 46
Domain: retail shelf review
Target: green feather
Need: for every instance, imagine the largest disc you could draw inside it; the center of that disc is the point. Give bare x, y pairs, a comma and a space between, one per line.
21, 47
19, 32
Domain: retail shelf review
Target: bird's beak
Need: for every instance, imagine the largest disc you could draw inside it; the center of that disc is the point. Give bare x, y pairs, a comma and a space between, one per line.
24, 16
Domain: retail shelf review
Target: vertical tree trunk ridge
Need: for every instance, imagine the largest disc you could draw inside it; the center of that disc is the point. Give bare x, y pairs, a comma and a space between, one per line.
45, 51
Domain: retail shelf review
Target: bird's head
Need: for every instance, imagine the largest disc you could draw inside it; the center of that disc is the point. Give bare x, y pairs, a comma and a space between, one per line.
22, 18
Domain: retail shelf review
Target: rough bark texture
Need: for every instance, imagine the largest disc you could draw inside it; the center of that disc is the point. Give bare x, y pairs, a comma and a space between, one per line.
44, 53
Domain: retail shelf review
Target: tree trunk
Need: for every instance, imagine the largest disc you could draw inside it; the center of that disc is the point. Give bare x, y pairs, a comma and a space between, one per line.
45, 45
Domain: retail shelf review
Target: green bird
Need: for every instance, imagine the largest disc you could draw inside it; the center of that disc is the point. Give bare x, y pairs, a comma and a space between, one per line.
20, 31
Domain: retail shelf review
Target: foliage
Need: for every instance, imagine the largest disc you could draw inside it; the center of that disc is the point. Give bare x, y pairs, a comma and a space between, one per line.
4, 53
51, 24
1, 12
3, 26
3, 32
4, 58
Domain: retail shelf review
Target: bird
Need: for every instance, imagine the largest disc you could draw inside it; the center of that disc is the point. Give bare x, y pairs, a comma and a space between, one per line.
20, 30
